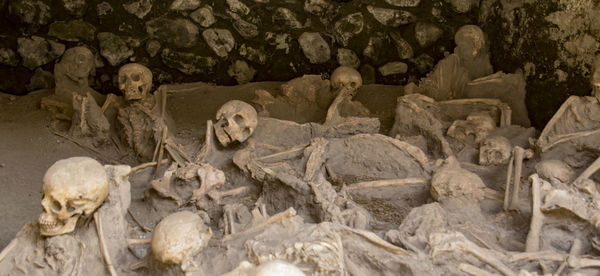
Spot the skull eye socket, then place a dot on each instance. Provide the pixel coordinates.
(70, 208)
(135, 77)
(56, 206)
(239, 120)
(353, 84)
(497, 155)
(122, 79)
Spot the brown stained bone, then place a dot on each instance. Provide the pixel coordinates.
(518, 153)
(111, 98)
(537, 217)
(161, 149)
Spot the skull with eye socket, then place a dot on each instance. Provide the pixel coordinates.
(73, 187)
(236, 121)
(135, 81)
(346, 78)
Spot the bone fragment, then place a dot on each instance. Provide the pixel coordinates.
(473, 270)
(537, 218)
(161, 150)
(576, 249)
(290, 212)
(587, 173)
(109, 265)
(138, 241)
(99, 154)
(387, 182)
(218, 195)
(316, 158)
(576, 262)
(373, 238)
(109, 100)
(146, 229)
(146, 165)
(547, 255)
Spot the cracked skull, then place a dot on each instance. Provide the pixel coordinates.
(178, 238)
(474, 129)
(494, 150)
(73, 187)
(135, 80)
(236, 121)
(346, 77)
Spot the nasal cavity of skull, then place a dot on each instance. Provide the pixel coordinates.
(497, 155)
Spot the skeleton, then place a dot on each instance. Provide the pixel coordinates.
(73, 188)
(143, 120)
(178, 238)
(74, 100)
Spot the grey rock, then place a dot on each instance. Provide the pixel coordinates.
(114, 48)
(285, 17)
(37, 51)
(348, 27)
(427, 33)
(463, 6)
(393, 68)
(255, 55)
(152, 47)
(32, 12)
(8, 57)
(104, 8)
(424, 63)
(75, 7)
(238, 7)
(178, 32)
(204, 16)
(188, 63)
(347, 57)
(367, 72)
(219, 40)
(182, 5)
(314, 47)
(41, 79)
(405, 51)
(403, 3)
(241, 72)
(391, 17)
(317, 7)
(73, 30)
(245, 28)
(139, 8)
(280, 41)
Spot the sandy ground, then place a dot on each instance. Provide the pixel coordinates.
(28, 147)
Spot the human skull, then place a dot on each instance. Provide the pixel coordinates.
(553, 170)
(178, 238)
(494, 150)
(475, 128)
(347, 78)
(236, 121)
(470, 40)
(135, 80)
(79, 62)
(73, 187)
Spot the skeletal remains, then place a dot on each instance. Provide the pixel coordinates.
(447, 192)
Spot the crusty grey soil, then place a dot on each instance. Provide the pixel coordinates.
(28, 147)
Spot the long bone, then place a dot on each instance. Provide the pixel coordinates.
(537, 217)
(511, 200)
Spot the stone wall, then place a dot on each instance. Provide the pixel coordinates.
(228, 41)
